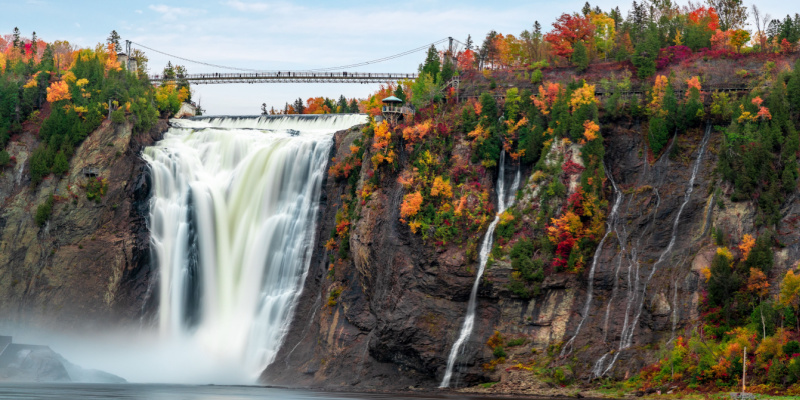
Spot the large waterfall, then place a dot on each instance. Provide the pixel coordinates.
(232, 220)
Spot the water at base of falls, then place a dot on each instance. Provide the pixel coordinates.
(486, 247)
(232, 219)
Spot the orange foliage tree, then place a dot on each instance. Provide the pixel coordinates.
(568, 30)
(58, 91)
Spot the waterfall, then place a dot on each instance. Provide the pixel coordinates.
(626, 336)
(486, 248)
(611, 223)
(232, 219)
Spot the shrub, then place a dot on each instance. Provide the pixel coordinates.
(499, 352)
(44, 210)
(5, 158)
(118, 116)
(96, 188)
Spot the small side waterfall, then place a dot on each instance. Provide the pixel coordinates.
(232, 220)
(611, 223)
(486, 247)
(628, 329)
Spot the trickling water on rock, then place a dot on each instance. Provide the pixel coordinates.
(232, 218)
(486, 247)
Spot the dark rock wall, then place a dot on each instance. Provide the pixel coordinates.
(403, 303)
(89, 264)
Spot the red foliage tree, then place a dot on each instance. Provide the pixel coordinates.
(567, 30)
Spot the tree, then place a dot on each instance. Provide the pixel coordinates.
(580, 58)
(790, 293)
(264, 109)
(16, 41)
(732, 14)
(341, 105)
(169, 72)
(113, 38)
(58, 91)
(432, 65)
(399, 93)
(299, 107)
(354, 107)
(723, 282)
(604, 33)
(568, 30)
(587, 8)
(644, 57)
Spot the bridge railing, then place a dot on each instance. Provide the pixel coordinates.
(290, 75)
(399, 110)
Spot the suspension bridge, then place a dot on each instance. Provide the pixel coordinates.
(339, 74)
(289, 77)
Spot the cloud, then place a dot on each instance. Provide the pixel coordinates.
(247, 7)
(78, 25)
(172, 13)
(138, 11)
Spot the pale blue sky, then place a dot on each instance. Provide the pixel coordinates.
(287, 34)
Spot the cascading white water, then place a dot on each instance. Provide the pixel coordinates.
(232, 217)
(486, 247)
(626, 336)
(612, 221)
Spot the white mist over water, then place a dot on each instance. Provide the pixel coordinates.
(232, 218)
(486, 247)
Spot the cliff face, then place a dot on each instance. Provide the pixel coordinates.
(89, 262)
(402, 302)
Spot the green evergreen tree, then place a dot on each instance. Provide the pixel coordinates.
(60, 164)
(580, 57)
(354, 107)
(432, 65)
(644, 57)
(341, 105)
(399, 93)
(299, 106)
(793, 89)
(113, 38)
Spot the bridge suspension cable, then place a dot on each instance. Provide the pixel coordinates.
(361, 64)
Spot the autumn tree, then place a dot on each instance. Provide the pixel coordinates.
(568, 30)
(605, 31)
(732, 14)
(790, 294)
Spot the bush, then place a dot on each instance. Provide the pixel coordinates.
(118, 116)
(659, 134)
(96, 188)
(5, 158)
(499, 352)
(44, 210)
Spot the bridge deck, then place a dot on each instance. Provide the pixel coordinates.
(291, 76)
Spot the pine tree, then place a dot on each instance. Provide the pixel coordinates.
(587, 8)
(469, 43)
(16, 38)
(793, 89)
(432, 65)
(341, 105)
(354, 107)
(113, 38)
(399, 93)
(299, 106)
(644, 57)
(60, 164)
(580, 58)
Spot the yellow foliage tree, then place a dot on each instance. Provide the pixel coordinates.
(582, 96)
(441, 188)
(58, 91)
(411, 205)
(748, 241)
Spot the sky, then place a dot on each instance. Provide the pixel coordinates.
(288, 35)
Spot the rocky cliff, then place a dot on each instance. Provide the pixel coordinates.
(388, 315)
(88, 263)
